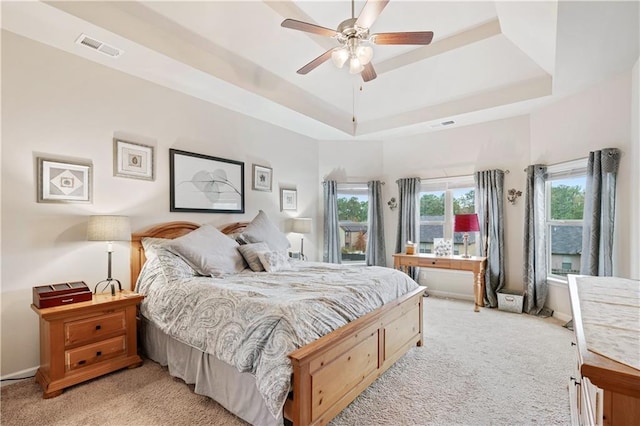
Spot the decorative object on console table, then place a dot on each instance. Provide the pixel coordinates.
(262, 178)
(204, 184)
(466, 223)
(64, 181)
(47, 296)
(133, 160)
(288, 199)
(109, 229)
(84, 340)
(301, 225)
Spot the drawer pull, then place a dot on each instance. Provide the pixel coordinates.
(98, 327)
(433, 263)
(81, 362)
(98, 353)
(67, 300)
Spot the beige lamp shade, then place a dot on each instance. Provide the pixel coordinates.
(109, 228)
(301, 225)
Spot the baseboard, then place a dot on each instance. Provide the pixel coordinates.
(448, 295)
(562, 316)
(22, 374)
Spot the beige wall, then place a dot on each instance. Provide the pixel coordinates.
(56, 104)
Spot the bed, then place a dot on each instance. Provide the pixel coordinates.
(325, 375)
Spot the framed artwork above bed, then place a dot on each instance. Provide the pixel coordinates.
(205, 184)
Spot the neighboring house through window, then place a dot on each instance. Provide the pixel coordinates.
(440, 200)
(565, 190)
(353, 210)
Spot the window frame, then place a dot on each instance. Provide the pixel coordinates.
(357, 189)
(569, 169)
(447, 185)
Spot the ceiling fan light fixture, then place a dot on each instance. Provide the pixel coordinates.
(364, 54)
(339, 57)
(355, 67)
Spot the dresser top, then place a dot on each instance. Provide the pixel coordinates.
(610, 309)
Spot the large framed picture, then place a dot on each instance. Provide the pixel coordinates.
(262, 177)
(64, 181)
(288, 199)
(205, 184)
(132, 160)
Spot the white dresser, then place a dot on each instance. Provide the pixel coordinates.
(605, 389)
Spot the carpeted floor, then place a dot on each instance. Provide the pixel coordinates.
(487, 368)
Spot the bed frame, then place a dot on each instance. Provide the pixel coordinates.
(329, 373)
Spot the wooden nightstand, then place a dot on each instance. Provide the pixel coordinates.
(85, 340)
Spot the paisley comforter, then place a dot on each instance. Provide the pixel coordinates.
(252, 320)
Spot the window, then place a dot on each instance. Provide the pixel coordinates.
(440, 200)
(353, 211)
(565, 190)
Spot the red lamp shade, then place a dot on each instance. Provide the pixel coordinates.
(466, 223)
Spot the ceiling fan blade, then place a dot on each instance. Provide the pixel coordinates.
(368, 73)
(370, 12)
(310, 28)
(417, 37)
(316, 62)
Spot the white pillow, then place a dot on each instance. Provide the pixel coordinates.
(262, 230)
(274, 261)
(250, 253)
(208, 251)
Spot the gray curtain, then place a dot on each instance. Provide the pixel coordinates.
(331, 249)
(408, 216)
(376, 254)
(599, 213)
(535, 246)
(489, 206)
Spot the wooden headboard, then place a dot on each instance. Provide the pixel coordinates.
(169, 230)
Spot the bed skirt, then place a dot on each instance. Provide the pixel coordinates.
(235, 391)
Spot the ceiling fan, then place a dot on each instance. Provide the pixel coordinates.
(353, 36)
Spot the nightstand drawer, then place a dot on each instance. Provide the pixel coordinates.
(94, 328)
(95, 352)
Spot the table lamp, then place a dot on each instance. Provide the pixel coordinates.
(301, 225)
(466, 223)
(109, 229)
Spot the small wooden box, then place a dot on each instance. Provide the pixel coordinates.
(46, 296)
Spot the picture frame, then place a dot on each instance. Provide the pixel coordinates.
(288, 199)
(133, 160)
(442, 247)
(204, 184)
(62, 181)
(262, 178)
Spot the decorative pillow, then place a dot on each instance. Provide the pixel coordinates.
(250, 253)
(262, 230)
(274, 261)
(208, 251)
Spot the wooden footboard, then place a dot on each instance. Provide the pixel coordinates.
(331, 372)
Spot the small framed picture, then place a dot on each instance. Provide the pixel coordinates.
(288, 199)
(64, 181)
(262, 177)
(133, 160)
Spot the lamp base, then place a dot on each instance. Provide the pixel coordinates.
(109, 282)
(465, 238)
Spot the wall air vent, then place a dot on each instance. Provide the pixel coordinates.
(101, 47)
(442, 124)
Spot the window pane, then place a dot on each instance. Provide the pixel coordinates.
(464, 201)
(427, 233)
(567, 198)
(432, 206)
(566, 246)
(352, 218)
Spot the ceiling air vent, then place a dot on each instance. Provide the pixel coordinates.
(99, 46)
(442, 124)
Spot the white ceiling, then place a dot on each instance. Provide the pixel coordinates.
(488, 60)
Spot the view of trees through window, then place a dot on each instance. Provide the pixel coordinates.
(564, 224)
(353, 213)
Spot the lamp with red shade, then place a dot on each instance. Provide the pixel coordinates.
(466, 223)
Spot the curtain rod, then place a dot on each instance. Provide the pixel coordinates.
(561, 163)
